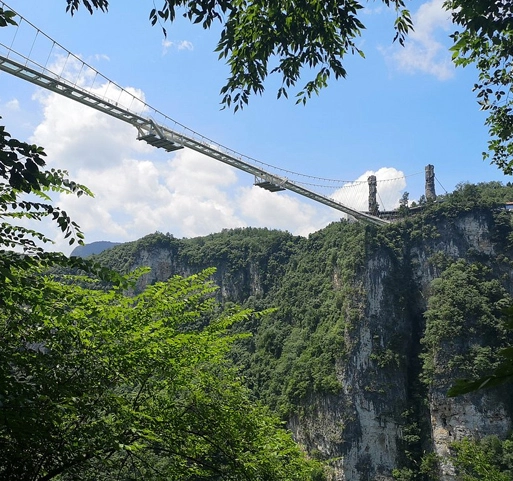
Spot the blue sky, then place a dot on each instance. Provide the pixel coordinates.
(398, 110)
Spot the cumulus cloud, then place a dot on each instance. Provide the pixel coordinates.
(78, 136)
(81, 136)
(139, 196)
(139, 189)
(426, 48)
(283, 211)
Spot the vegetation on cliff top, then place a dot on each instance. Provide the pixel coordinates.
(314, 284)
(293, 350)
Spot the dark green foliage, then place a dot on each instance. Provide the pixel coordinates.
(242, 255)
(6, 17)
(485, 197)
(496, 375)
(100, 385)
(298, 353)
(262, 250)
(293, 351)
(483, 194)
(73, 5)
(311, 282)
(122, 258)
(427, 470)
(22, 172)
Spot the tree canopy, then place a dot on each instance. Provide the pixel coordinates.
(99, 385)
(487, 460)
(501, 374)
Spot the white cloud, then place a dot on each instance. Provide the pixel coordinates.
(166, 45)
(82, 135)
(282, 210)
(137, 189)
(375, 10)
(178, 45)
(185, 45)
(13, 105)
(77, 136)
(101, 56)
(426, 48)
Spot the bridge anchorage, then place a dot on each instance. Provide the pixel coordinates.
(29, 56)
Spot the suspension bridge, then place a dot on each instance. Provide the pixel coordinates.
(29, 54)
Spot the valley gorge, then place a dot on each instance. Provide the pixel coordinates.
(370, 327)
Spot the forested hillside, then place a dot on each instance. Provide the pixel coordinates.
(369, 329)
(98, 382)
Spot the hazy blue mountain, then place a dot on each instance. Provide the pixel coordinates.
(93, 248)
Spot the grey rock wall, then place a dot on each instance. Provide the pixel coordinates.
(362, 429)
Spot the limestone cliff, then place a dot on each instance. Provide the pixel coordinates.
(380, 411)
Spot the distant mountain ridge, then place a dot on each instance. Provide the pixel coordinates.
(93, 248)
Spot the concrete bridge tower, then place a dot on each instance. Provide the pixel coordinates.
(373, 190)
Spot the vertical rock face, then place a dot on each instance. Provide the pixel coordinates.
(366, 424)
(365, 418)
(381, 409)
(475, 415)
(235, 286)
(472, 416)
